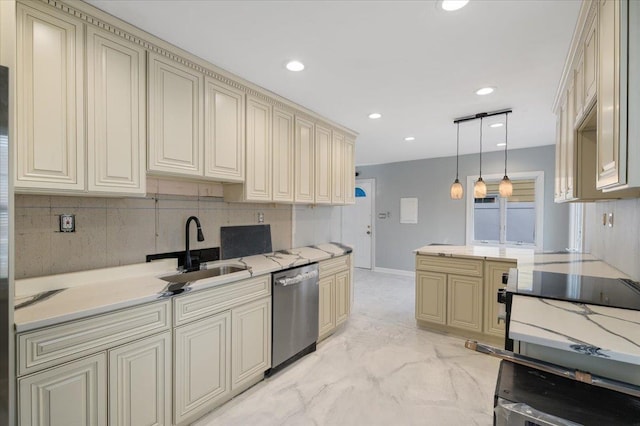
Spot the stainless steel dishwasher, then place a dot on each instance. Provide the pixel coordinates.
(295, 296)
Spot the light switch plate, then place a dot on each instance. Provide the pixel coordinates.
(67, 223)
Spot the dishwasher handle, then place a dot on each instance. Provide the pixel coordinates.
(297, 279)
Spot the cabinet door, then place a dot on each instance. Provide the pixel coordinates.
(223, 132)
(590, 66)
(283, 157)
(251, 340)
(464, 302)
(343, 294)
(569, 148)
(50, 101)
(492, 282)
(608, 132)
(73, 394)
(431, 297)
(578, 92)
(323, 165)
(337, 168)
(140, 382)
(175, 117)
(202, 374)
(349, 172)
(116, 118)
(258, 182)
(561, 149)
(327, 306)
(304, 177)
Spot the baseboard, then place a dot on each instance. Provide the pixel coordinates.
(395, 271)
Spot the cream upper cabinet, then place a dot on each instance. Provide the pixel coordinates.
(283, 156)
(175, 114)
(337, 168)
(349, 172)
(251, 342)
(259, 141)
(140, 382)
(71, 394)
(202, 366)
(590, 66)
(50, 152)
(608, 93)
(568, 159)
(304, 163)
(578, 92)
(322, 165)
(223, 132)
(561, 149)
(116, 117)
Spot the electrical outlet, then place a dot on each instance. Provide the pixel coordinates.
(260, 217)
(67, 223)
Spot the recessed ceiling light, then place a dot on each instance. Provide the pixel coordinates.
(295, 66)
(485, 91)
(451, 5)
(501, 144)
(496, 125)
(375, 115)
(410, 138)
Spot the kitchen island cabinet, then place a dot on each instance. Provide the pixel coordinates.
(457, 292)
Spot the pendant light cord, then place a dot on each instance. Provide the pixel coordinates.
(481, 147)
(457, 148)
(506, 140)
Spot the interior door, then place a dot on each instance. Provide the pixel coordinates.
(364, 223)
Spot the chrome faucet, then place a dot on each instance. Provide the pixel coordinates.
(187, 254)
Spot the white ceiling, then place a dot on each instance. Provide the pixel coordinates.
(416, 64)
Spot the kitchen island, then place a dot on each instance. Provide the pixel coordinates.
(456, 286)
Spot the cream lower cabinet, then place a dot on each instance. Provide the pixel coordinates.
(140, 382)
(459, 294)
(431, 297)
(251, 342)
(464, 302)
(335, 294)
(493, 271)
(73, 394)
(202, 360)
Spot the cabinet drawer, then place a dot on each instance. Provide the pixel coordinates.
(449, 265)
(331, 266)
(201, 304)
(46, 347)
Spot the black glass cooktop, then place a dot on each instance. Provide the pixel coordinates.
(614, 292)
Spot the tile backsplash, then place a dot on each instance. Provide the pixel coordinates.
(122, 231)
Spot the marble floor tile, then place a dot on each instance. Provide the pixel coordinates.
(379, 369)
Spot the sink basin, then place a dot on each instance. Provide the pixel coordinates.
(188, 277)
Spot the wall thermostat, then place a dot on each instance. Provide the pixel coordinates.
(67, 223)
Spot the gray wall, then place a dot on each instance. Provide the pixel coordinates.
(441, 219)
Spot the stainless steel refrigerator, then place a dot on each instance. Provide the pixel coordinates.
(6, 304)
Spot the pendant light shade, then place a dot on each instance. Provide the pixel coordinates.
(506, 187)
(457, 191)
(480, 188)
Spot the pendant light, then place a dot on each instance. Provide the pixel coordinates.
(506, 187)
(480, 188)
(457, 191)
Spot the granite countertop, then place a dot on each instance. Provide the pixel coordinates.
(46, 301)
(529, 260)
(599, 331)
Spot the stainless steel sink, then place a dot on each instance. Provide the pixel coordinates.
(188, 277)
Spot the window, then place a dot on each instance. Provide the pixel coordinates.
(513, 221)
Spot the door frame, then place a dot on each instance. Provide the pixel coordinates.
(372, 181)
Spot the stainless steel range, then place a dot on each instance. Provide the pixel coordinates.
(295, 295)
